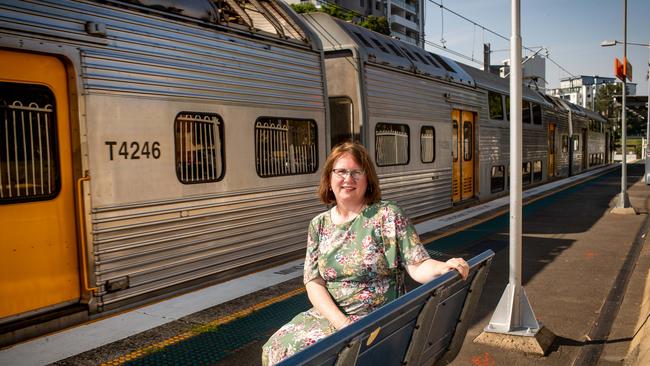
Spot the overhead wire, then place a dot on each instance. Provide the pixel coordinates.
(485, 29)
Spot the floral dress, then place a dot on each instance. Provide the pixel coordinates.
(361, 262)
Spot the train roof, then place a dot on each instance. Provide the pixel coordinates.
(489, 81)
(269, 18)
(579, 110)
(339, 35)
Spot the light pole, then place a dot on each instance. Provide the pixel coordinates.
(647, 139)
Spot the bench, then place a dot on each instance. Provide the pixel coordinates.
(426, 326)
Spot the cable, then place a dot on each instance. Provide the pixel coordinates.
(442, 7)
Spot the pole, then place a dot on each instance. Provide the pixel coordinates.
(514, 314)
(647, 128)
(624, 202)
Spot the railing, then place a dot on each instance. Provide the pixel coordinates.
(28, 151)
(392, 147)
(199, 148)
(402, 4)
(276, 155)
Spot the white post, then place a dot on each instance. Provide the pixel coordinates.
(514, 314)
(624, 202)
(647, 132)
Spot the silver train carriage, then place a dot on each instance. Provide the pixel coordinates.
(148, 148)
(414, 110)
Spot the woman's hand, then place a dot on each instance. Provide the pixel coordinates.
(459, 265)
(429, 269)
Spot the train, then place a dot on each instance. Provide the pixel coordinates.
(151, 147)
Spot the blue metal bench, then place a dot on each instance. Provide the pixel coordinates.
(426, 326)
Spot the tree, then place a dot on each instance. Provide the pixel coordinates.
(377, 24)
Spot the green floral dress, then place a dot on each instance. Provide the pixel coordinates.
(361, 262)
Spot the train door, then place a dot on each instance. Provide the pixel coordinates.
(38, 250)
(551, 150)
(585, 149)
(462, 155)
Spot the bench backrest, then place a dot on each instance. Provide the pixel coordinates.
(426, 326)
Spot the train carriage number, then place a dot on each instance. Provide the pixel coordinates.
(133, 150)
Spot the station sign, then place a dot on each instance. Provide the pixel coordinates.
(622, 70)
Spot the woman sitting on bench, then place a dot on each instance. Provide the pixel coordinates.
(356, 254)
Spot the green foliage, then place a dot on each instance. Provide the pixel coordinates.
(607, 106)
(377, 24)
(304, 8)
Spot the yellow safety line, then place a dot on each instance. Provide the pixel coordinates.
(201, 329)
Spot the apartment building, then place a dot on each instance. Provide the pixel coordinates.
(405, 17)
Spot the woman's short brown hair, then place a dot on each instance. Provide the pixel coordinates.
(361, 157)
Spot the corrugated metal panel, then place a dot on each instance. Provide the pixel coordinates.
(161, 246)
(403, 96)
(154, 56)
(417, 192)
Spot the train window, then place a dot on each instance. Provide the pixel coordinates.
(468, 141)
(421, 58)
(525, 111)
(526, 173)
(199, 147)
(496, 105)
(29, 157)
(285, 146)
(342, 125)
(576, 142)
(379, 44)
(565, 144)
(498, 178)
(537, 114)
(431, 60)
(395, 50)
(391, 144)
(537, 171)
(442, 62)
(363, 39)
(427, 144)
(408, 54)
(507, 108)
(454, 141)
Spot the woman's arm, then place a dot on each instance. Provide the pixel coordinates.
(323, 302)
(429, 269)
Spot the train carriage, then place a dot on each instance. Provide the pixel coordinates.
(415, 111)
(494, 136)
(147, 149)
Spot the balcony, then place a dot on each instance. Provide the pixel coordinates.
(402, 4)
(404, 22)
(403, 37)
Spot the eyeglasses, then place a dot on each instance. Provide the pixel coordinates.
(354, 173)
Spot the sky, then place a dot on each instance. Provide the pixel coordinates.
(571, 30)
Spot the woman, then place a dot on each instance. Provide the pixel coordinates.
(356, 253)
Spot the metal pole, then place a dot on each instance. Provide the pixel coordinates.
(624, 202)
(513, 314)
(647, 132)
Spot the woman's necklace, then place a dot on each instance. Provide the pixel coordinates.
(351, 214)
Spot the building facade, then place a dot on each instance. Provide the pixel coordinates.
(582, 89)
(405, 17)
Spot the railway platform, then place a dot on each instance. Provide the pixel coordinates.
(585, 271)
